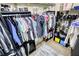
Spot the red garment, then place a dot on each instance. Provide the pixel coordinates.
(33, 17)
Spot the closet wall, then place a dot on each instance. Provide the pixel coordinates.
(39, 8)
(36, 8)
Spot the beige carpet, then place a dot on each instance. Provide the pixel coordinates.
(45, 50)
(66, 51)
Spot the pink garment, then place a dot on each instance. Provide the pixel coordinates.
(46, 18)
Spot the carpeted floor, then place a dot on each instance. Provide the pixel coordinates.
(45, 50)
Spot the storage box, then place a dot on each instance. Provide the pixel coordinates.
(57, 39)
(62, 42)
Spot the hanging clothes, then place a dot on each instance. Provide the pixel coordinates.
(40, 23)
(30, 18)
(34, 26)
(34, 23)
(22, 27)
(18, 26)
(13, 31)
(52, 21)
(1, 52)
(30, 32)
(15, 36)
(26, 31)
(45, 25)
(72, 33)
(5, 40)
(3, 44)
(31, 44)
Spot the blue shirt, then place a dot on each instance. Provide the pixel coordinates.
(14, 32)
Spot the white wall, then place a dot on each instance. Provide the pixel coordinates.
(75, 4)
(37, 8)
(67, 6)
(33, 9)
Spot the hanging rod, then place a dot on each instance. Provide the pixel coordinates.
(14, 13)
(50, 11)
(26, 15)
